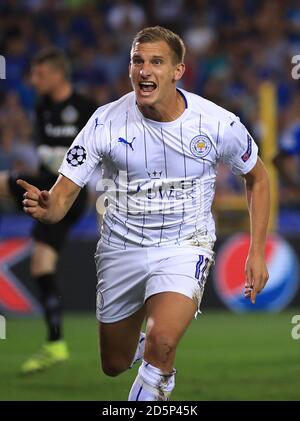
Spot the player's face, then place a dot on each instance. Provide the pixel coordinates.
(45, 78)
(153, 73)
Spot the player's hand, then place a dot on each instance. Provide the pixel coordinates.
(36, 202)
(256, 275)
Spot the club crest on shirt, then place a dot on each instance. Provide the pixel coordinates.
(200, 146)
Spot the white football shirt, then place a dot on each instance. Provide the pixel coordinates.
(159, 176)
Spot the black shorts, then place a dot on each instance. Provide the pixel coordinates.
(53, 235)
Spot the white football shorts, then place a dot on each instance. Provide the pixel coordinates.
(127, 278)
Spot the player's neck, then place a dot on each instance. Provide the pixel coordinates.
(169, 111)
(62, 92)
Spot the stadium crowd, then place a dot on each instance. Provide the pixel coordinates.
(232, 46)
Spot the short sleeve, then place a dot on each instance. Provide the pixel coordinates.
(237, 148)
(85, 153)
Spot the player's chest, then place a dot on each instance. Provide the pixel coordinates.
(170, 152)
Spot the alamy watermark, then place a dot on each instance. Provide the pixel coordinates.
(295, 332)
(2, 67)
(152, 196)
(296, 68)
(2, 327)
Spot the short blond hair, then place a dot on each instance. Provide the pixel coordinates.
(158, 33)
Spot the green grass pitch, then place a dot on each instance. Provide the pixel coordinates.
(222, 356)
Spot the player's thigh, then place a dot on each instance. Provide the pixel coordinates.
(120, 339)
(168, 316)
(43, 259)
(122, 277)
(174, 292)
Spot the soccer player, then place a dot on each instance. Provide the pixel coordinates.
(160, 147)
(60, 115)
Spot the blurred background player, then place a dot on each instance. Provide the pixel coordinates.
(59, 116)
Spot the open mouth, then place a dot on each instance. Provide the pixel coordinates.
(147, 86)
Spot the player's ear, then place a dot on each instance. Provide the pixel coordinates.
(179, 71)
(129, 69)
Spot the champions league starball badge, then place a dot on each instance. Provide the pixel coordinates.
(200, 146)
(76, 156)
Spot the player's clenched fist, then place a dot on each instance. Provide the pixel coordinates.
(36, 202)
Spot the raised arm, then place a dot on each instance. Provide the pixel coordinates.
(258, 197)
(51, 206)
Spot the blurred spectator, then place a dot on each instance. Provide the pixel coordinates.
(16, 58)
(126, 12)
(199, 37)
(17, 151)
(168, 13)
(125, 18)
(111, 60)
(287, 160)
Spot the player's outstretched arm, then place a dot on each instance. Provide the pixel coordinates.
(51, 206)
(258, 196)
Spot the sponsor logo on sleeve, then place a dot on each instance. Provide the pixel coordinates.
(248, 152)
